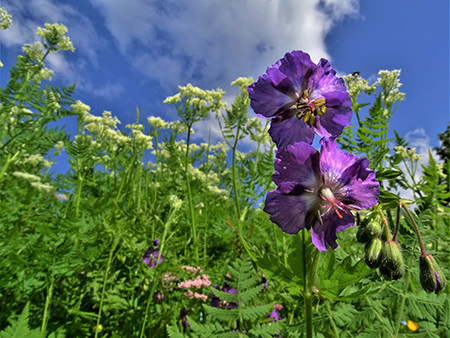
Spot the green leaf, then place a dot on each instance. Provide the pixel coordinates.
(335, 278)
(388, 199)
(387, 174)
(271, 266)
(20, 328)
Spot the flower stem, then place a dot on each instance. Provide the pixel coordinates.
(308, 314)
(48, 300)
(149, 301)
(422, 248)
(191, 205)
(104, 285)
(308, 285)
(236, 195)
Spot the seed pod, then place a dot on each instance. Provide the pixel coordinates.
(392, 264)
(431, 276)
(374, 229)
(361, 235)
(372, 251)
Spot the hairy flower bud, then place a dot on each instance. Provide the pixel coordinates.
(372, 255)
(373, 229)
(361, 234)
(392, 264)
(431, 276)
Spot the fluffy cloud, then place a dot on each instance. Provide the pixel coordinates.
(212, 42)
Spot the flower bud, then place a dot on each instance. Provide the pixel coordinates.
(374, 229)
(431, 276)
(372, 255)
(361, 235)
(392, 264)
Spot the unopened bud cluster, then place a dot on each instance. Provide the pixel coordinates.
(386, 254)
(379, 252)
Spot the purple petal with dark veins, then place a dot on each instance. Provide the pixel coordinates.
(289, 131)
(325, 235)
(297, 165)
(290, 212)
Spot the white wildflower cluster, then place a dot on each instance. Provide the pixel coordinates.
(44, 74)
(180, 127)
(59, 145)
(440, 170)
(5, 19)
(81, 109)
(175, 202)
(154, 185)
(54, 31)
(215, 150)
(243, 83)
(196, 97)
(36, 160)
(407, 153)
(35, 181)
(221, 193)
(42, 186)
(389, 81)
(140, 140)
(158, 123)
(240, 156)
(196, 174)
(355, 84)
(5, 22)
(33, 51)
(27, 176)
(181, 147)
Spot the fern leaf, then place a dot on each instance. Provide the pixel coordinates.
(20, 328)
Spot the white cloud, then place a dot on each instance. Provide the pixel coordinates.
(212, 42)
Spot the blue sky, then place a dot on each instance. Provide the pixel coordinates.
(136, 52)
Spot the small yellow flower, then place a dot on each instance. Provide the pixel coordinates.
(99, 327)
(412, 326)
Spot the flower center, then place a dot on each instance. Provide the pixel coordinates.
(332, 201)
(308, 110)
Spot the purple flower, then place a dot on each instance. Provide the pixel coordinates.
(151, 255)
(275, 315)
(184, 321)
(264, 281)
(317, 191)
(217, 302)
(302, 99)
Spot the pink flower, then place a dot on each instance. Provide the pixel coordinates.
(278, 307)
(202, 297)
(188, 294)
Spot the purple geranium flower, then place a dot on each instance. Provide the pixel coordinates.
(302, 99)
(318, 191)
(151, 255)
(217, 302)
